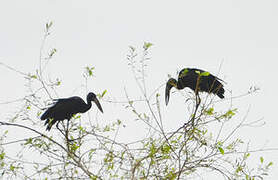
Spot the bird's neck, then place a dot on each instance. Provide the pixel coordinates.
(88, 105)
(179, 85)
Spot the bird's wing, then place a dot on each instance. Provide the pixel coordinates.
(72, 104)
(195, 70)
(201, 71)
(212, 76)
(183, 72)
(220, 80)
(64, 106)
(191, 72)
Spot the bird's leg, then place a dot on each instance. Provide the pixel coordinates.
(67, 133)
(198, 102)
(57, 126)
(198, 99)
(67, 130)
(68, 125)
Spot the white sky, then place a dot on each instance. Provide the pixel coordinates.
(241, 33)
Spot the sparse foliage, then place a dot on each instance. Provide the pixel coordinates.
(89, 151)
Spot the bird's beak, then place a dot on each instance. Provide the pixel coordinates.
(98, 104)
(167, 92)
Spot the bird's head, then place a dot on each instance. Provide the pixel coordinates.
(170, 83)
(92, 97)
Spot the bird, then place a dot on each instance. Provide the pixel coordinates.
(188, 77)
(65, 108)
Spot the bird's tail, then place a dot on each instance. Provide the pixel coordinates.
(44, 116)
(48, 127)
(49, 123)
(220, 93)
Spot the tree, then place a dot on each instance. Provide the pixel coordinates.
(87, 150)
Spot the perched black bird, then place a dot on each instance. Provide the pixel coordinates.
(189, 77)
(66, 108)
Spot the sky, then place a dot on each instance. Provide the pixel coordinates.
(237, 40)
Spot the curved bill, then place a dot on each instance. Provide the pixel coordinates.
(98, 104)
(167, 93)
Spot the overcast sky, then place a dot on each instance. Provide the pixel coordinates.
(240, 34)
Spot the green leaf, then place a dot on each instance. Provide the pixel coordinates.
(152, 150)
(48, 25)
(229, 114)
(39, 113)
(107, 128)
(269, 164)
(52, 52)
(81, 129)
(103, 93)
(152, 161)
(50, 121)
(221, 150)
(76, 116)
(209, 111)
(28, 141)
(12, 167)
(74, 147)
(261, 159)
(205, 74)
(2, 155)
(89, 70)
(165, 149)
(246, 155)
(171, 175)
(184, 72)
(147, 45)
(109, 157)
(247, 177)
(2, 165)
(198, 72)
(130, 102)
(239, 169)
(33, 76)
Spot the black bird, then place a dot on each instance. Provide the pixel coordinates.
(189, 77)
(66, 108)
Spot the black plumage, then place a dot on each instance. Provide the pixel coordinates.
(66, 108)
(189, 77)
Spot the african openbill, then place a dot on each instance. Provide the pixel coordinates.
(188, 77)
(66, 108)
